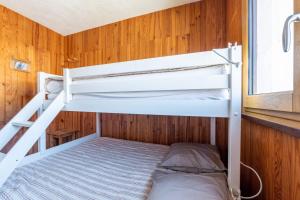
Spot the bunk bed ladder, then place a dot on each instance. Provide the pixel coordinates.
(11, 160)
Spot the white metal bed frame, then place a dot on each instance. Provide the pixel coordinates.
(83, 80)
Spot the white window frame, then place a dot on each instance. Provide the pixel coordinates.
(280, 103)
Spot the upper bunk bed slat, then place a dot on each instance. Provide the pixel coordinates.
(168, 62)
(204, 108)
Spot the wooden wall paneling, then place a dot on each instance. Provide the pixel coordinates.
(234, 21)
(275, 155)
(245, 157)
(222, 138)
(295, 184)
(2, 72)
(156, 129)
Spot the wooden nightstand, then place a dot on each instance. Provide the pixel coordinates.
(61, 136)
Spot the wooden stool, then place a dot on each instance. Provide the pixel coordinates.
(62, 136)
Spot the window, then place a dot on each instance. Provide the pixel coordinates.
(270, 68)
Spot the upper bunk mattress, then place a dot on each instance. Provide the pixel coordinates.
(53, 87)
(103, 168)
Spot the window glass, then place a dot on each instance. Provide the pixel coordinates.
(272, 68)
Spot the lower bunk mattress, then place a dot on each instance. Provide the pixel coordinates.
(103, 168)
(100, 169)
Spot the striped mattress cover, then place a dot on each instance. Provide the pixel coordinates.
(103, 168)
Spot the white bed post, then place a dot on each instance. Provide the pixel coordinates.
(41, 88)
(213, 131)
(234, 127)
(98, 125)
(67, 84)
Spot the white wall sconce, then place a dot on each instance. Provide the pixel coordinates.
(20, 65)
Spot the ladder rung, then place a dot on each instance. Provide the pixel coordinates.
(23, 124)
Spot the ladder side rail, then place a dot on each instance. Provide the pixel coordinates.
(10, 130)
(20, 149)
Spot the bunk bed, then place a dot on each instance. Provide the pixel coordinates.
(204, 84)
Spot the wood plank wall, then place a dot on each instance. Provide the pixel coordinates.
(24, 39)
(276, 157)
(189, 28)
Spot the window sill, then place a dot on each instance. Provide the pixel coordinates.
(288, 123)
(279, 101)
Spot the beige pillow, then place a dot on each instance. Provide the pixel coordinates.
(186, 186)
(193, 158)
